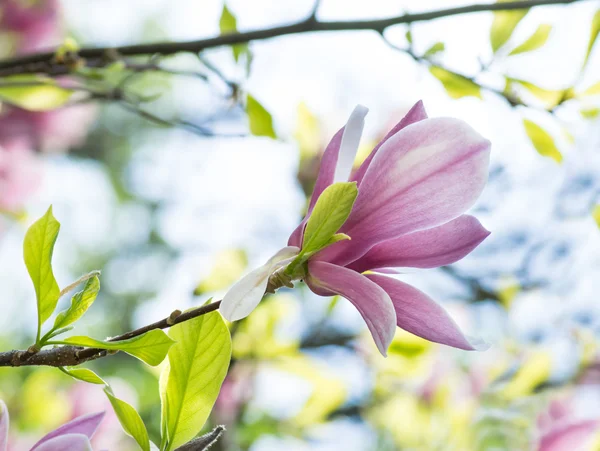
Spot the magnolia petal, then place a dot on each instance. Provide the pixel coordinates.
(85, 425)
(243, 297)
(336, 164)
(431, 248)
(371, 301)
(350, 142)
(67, 442)
(425, 175)
(418, 314)
(415, 114)
(4, 422)
(570, 437)
(327, 168)
(297, 235)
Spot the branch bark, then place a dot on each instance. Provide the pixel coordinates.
(75, 355)
(101, 56)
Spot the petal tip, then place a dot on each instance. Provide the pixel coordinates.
(477, 344)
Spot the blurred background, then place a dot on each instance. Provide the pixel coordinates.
(173, 196)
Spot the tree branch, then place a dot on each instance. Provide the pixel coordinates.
(75, 355)
(101, 56)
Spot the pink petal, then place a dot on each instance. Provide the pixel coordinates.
(431, 248)
(425, 175)
(327, 168)
(4, 422)
(415, 114)
(324, 179)
(68, 442)
(570, 437)
(418, 314)
(84, 425)
(372, 302)
(336, 164)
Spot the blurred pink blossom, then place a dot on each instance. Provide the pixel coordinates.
(20, 174)
(35, 24)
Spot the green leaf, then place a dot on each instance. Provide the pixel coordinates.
(542, 141)
(592, 90)
(331, 211)
(80, 302)
(151, 347)
(590, 113)
(228, 25)
(503, 25)
(535, 41)
(83, 374)
(435, 48)
(596, 214)
(549, 97)
(37, 253)
(130, 420)
(261, 122)
(54, 332)
(595, 30)
(456, 85)
(190, 383)
(33, 93)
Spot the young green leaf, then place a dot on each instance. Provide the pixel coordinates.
(83, 374)
(535, 41)
(130, 420)
(80, 302)
(434, 49)
(592, 90)
(456, 85)
(549, 97)
(227, 25)
(55, 332)
(594, 31)
(33, 93)
(260, 120)
(590, 113)
(190, 383)
(596, 214)
(542, 141)
(151, 347)
(37, 253)
(503, 26)
(331, 211)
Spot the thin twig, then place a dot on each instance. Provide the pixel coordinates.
(102, 56)
(76, 355)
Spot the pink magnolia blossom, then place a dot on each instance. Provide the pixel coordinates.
(413, 190)
(577, 436)
(48, 131)
(35, 24)
(19, 174)
(72, 436)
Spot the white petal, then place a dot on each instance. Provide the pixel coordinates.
(246, 293)
(350, 141)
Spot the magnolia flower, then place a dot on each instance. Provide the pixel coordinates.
(19, 174)
(578, 436)
(35, 23)
(72, 436)
(412, 192)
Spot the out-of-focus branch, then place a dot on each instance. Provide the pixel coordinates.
(75, 355)
(47, 63)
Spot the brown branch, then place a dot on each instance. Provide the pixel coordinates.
(101, 56)
(75, 355)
